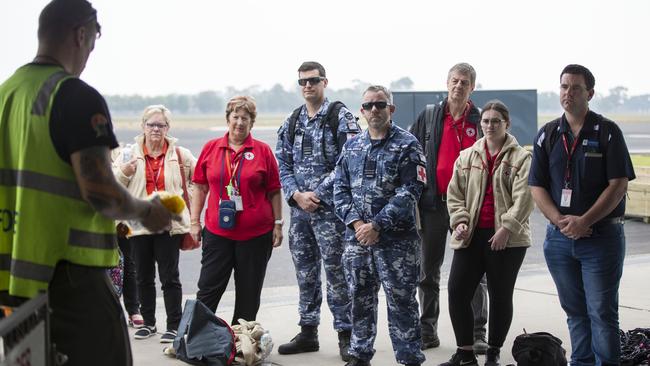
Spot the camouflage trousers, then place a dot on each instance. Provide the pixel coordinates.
(314, 238)
(394, 265)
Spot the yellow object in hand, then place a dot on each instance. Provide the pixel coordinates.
(173, 202)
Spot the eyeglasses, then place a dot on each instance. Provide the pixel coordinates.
(492, 121)
(379, 105)
(98, 27)
(312, 81)
(160, 126)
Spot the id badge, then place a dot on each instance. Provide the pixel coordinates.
(239, 206)
(566, 198)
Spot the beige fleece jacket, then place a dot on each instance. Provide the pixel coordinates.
(137, 183)
(513, 202)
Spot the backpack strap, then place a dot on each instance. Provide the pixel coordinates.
(551, 135)
(428, 121)
(182, 169)
(332, 121)
(293, 120)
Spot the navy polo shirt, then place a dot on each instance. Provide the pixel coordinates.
(592, 166)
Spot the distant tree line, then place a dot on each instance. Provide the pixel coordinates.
(278, 100)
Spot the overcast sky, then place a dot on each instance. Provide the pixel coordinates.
(155, 47)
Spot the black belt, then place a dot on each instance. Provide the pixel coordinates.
(610, 221)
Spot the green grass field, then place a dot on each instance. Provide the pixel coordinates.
(641, 160)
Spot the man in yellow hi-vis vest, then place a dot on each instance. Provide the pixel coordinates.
(58, 196)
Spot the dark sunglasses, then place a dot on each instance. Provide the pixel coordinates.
(311, 81)
(379, 105)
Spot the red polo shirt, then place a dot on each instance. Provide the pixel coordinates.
(259, 176)
(486, 215)
(456, 136)
(155, 169)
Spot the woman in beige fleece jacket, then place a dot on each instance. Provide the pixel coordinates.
(153, 164)
(489, 204)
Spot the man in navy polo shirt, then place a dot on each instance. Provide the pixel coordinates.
(578, 178)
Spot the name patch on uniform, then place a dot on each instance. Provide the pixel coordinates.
(422, 174)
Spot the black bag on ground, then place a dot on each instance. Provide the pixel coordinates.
(203, 338)
(538, 349)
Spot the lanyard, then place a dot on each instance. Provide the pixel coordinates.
(491, 161)
(230, 171)
(567, 171)
(459, 136)
(154, 175)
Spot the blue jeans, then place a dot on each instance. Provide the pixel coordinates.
(587, 273)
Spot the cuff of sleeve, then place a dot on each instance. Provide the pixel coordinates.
(457, 218)
(510, 223)
(352, 217)
(122, 177)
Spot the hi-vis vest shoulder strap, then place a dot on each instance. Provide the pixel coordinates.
(43, 218)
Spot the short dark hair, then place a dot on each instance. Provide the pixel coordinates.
(576, 69)
(498, 106)
(61, 16)
(312, 65)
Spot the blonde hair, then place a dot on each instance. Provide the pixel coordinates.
(242, 102)
(157, 108)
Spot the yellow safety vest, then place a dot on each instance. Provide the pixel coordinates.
(43, 218)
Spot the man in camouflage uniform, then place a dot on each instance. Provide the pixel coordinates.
(379, 179)
(307, 152)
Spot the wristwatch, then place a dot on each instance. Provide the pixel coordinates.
(279, 222)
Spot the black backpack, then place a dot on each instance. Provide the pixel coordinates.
(331, 119)
(538, 349)
(203, 338)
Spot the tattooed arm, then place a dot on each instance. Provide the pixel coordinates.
(98, 187)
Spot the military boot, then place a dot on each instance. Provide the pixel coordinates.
(305, 341)
(344, 345)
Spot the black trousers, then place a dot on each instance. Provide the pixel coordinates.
(467, 268)
(162, 249)
(248, 259)
(83, 300)
(129, 283)
(435, 227)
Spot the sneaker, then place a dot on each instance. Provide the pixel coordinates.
(480, 346)
(168, 336)
(136, 321)
(430, 341)
(145, 332)
(461, 358)
(344, 345)
(305, 341)
(357, 362)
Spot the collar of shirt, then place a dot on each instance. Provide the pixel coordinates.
(462, 118)
(223, 142)
(587, 127)
(304, 117)
(145, 151)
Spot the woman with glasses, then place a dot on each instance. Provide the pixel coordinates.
(154, 165)
(489, 205)
(243, 220)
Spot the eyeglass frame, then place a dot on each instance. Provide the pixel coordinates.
(367, 106)
(312, 81)
(98, 27)
(159, 126)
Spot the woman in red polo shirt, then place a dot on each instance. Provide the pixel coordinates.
(489, 203)
(241, 175)
(152, 164)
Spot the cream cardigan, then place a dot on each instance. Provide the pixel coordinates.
(136, 184)
(513, 202)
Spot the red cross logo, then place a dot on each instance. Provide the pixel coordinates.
(422, 174)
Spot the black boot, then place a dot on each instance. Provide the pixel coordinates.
(462, 357)
(357, 362)
(305, 341)
(492, 356)
(344, 345)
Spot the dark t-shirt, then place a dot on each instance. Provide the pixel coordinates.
(80, 119)
(592, 166)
